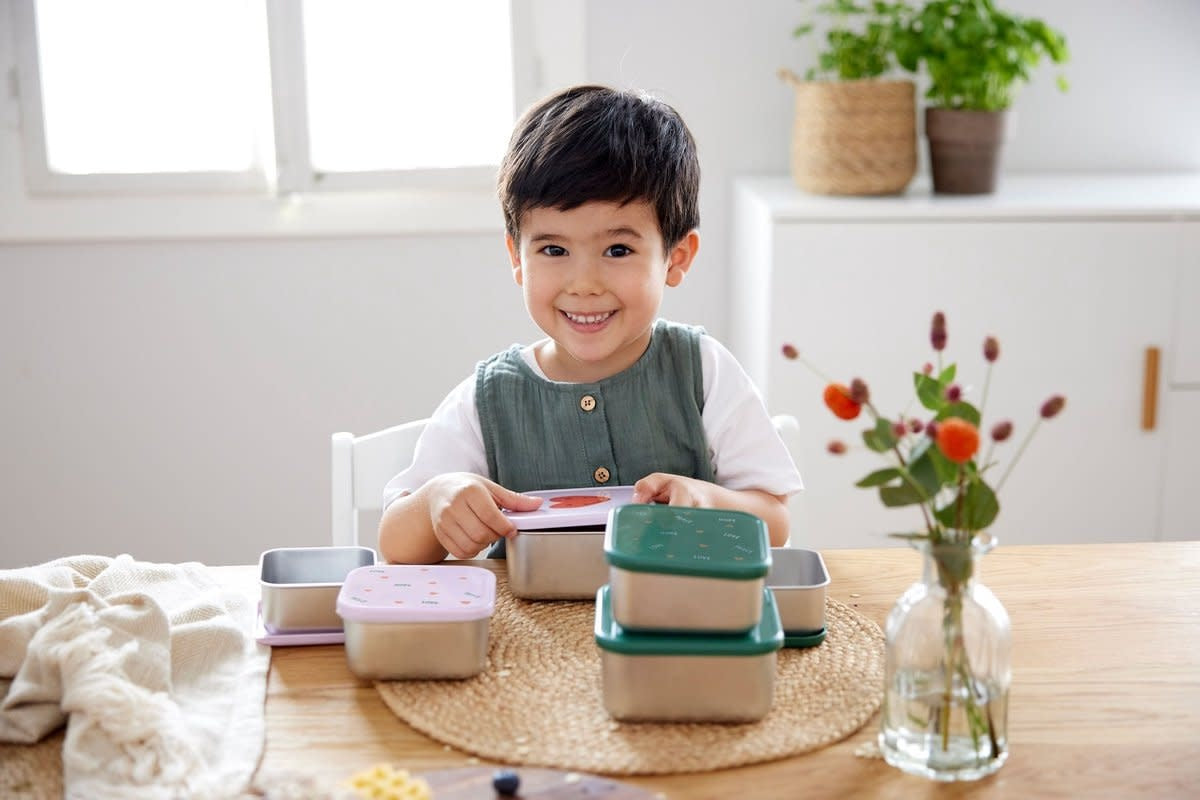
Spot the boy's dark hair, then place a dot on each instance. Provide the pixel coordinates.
(595, 143)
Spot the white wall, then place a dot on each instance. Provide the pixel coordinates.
(175, 399)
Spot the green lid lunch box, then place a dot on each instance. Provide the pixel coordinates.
(687, 678)
(686, 570)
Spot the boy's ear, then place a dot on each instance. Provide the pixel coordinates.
(679, 260)
(515, 257)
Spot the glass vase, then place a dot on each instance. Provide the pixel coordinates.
(949, 643)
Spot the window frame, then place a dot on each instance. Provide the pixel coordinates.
(43, 180)
(283, 196)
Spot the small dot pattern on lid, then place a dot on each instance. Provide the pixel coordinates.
(714, 542)
(400, 592)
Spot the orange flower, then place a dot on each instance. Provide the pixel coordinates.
(837, 398)
(957, 439)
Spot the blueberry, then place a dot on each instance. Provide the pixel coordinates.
(506, 782)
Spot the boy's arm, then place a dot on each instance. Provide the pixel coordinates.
(456, 513)
(406, 533)
(676, 490)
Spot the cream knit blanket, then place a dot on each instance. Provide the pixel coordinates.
(151, 666)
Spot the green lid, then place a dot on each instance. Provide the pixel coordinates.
(804, 639)
(702, 542)
(765, 637)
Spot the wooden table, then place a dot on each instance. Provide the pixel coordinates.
(1105, 697)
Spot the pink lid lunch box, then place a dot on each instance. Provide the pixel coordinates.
(407, 621)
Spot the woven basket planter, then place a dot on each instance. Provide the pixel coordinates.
(853, 137)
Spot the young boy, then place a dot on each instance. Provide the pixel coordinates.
(599, 190)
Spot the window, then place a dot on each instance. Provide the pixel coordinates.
(279, 96)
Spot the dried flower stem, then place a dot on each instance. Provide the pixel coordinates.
(987, 459)
(958, 505)
(799, 357)
(1020, 452)
(987, 382)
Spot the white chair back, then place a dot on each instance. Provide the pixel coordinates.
(362, 466)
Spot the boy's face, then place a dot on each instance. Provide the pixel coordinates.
(593, 279)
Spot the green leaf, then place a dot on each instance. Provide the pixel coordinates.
(947, 470)
(880, 438)
(979, 508)
(962, 410)
(803, 30)
(902, 495)
(924, 471)
(911, 537)
(929, 392)
(878, 477)
(947, 376)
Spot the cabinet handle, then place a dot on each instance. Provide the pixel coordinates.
(1150, 389)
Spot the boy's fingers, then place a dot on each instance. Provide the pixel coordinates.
(649, 487)
(455, 540)
(513, 501)
(492, 522)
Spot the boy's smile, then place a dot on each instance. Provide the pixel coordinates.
(593, 279)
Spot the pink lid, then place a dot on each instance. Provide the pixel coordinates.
(566, 508)
(409, 593)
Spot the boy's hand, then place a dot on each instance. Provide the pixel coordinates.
(464, 510)
(675, 490)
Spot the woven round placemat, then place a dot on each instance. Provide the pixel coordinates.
(538, 701)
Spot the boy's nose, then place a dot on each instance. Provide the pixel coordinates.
(586, 278)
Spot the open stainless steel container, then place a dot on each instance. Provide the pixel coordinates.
(556, 564)
(558, 552)
(405, 621)
(697, 570)
(667, 677)
(799, 581)
(300, 586)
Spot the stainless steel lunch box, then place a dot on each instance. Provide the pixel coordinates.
(556, 564)
(799, 581)
(407, 621)
(300, 586)
(667, 677)
(686, 569)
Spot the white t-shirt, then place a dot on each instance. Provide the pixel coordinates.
(743, 446)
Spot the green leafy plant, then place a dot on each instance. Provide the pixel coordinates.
(975, 54)
(859, 40)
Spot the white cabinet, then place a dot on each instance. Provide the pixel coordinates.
(1181, 509)
(1076, 277)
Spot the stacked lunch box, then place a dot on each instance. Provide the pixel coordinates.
(686, 626)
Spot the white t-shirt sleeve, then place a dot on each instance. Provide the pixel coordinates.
(744, 447)
(451, 442)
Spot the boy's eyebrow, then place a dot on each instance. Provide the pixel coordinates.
(621, 231)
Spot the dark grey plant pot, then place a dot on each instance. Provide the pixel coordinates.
(964, 148)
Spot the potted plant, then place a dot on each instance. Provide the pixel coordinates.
(975, 55)
(854, 131)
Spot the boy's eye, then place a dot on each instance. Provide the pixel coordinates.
(553, 250)
(618, 251)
